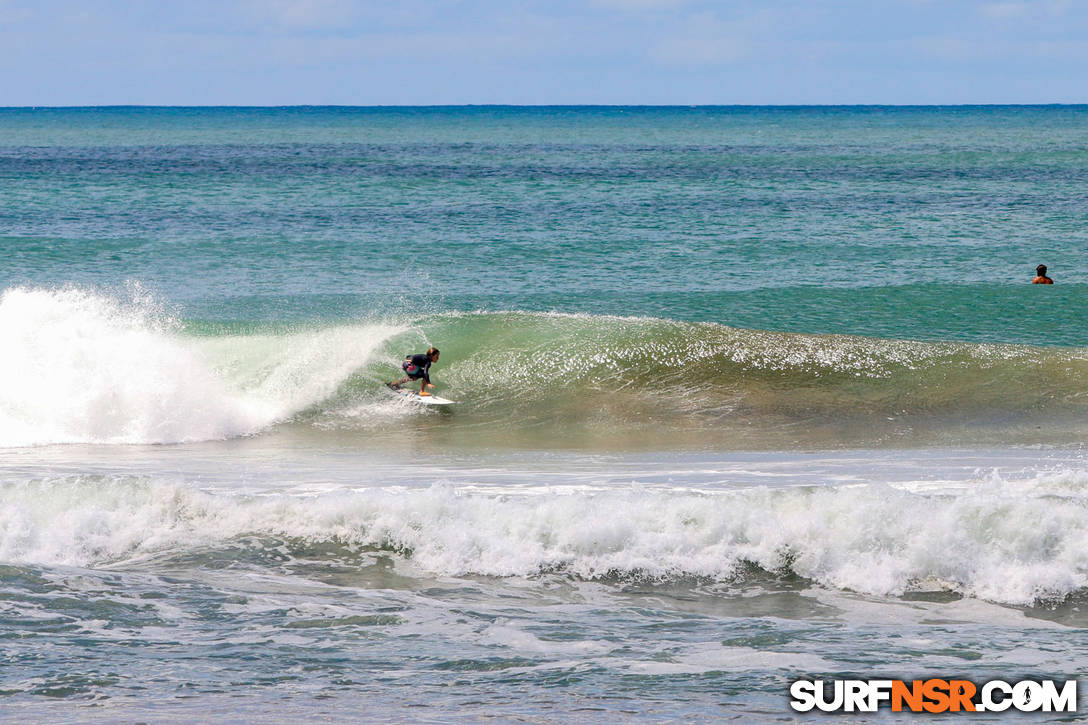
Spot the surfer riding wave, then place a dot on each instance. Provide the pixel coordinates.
(418, 367)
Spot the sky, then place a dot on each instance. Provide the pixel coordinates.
(530, 52)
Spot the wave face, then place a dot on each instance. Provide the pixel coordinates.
(1008, 541)
(84, 367)
(709, 384)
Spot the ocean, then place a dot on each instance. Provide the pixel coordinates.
(745, 395)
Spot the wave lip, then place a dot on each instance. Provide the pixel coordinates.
(84, 367)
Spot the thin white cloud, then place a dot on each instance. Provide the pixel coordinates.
(1017, 10)
(700, 48)
(1004, 11)
(705, 39)
(11, 13)
(640, 4)
(338, 15)
(309, 13)
(540, 50)
(954, 48)
(951, 49)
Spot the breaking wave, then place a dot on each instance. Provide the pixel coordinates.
(80, 366)
(1007, 541)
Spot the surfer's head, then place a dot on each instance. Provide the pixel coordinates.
(1041, 270)
(432, 353)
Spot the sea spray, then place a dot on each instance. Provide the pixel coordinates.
(81, 366)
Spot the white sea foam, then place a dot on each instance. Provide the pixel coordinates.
(83, 367)
(1004, 541)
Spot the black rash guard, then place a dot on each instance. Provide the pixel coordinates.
(421, 361)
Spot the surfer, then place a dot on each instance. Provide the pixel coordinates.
(418, 367)
(1040, 276)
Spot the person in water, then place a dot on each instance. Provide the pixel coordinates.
(1040, 276)
(418, 367)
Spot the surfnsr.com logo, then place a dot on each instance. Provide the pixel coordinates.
(934, 695)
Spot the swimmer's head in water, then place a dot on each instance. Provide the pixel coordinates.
(1041, 270)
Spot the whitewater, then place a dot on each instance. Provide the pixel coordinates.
(83, 367)
(1015, 541)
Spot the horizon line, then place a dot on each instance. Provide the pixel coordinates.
(543, 105)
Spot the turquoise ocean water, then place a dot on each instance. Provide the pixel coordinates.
(744, 395)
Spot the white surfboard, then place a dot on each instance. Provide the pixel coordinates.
(415, 397)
